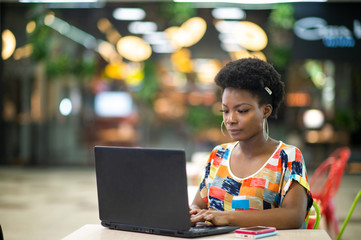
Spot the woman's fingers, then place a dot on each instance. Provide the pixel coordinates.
(194, 211)
(202, 216)
(208, 217)
(212, 217)
(197, 218)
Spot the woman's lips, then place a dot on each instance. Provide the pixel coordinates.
(234, 131)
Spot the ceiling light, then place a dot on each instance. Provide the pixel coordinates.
(156, 38)
(129, 14)
(230, 47)
(9, 44)
(57, 1)
(70, 31)
(142, 27)
(134, 48)
(249, 1)
(226, 26)
(163, 48)
(250, 36)
(189, 33)
(228, 13)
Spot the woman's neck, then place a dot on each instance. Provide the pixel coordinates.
(256, 146)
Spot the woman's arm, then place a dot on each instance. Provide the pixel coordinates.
(291, 215)
(197, 203)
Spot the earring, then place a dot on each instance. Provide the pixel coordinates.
(265, 129)
(222, 123)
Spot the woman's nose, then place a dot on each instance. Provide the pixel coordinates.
(231, 118)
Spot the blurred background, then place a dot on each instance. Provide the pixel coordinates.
(75, 74)
(140, 73)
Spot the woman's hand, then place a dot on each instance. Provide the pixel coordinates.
(217, 218)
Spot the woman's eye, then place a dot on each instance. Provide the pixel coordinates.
(224, 111)
(243, 111)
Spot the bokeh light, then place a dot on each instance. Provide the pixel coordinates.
(65, 107)
(313, 118)
(9, 44)
(134, 48)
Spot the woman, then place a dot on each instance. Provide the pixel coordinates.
(255, 172)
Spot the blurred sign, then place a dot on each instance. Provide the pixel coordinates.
(327, 30)
(113, 104)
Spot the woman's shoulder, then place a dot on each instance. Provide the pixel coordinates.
(224, 146)
(284, 145)
(291, 151)
(222, 150)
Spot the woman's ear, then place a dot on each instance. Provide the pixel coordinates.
(267, 110)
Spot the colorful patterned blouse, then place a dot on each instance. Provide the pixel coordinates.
(265, 189)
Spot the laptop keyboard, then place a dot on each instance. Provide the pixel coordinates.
(198, 229)
(201, 228)
(208, 229)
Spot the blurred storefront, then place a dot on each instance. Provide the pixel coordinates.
(324, 78)
(141, 74)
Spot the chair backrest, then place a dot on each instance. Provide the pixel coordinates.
(315, 222)
(326, 179)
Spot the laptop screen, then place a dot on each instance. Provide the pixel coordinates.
(142, 187)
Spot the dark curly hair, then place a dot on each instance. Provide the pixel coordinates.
(254, 75)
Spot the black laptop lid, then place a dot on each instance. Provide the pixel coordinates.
(142, 187)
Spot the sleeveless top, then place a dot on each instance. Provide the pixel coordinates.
(221, 190)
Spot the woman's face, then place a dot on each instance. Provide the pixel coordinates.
(242, 114)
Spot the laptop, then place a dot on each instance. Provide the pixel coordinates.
(145, 190)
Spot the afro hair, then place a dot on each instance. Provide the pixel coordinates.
(253, 75)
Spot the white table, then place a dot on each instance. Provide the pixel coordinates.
(98, 232)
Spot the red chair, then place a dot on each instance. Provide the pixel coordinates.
(324, 184)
